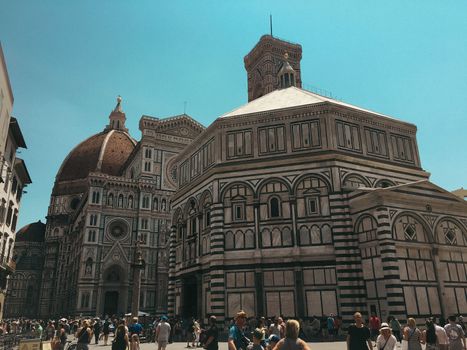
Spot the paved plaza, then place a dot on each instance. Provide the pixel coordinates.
(223, 346)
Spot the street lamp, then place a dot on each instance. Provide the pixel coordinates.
(137, 266)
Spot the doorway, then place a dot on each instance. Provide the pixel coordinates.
(190, 297)
(111, 303)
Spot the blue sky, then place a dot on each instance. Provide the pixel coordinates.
(68, 60)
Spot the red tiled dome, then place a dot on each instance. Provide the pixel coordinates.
(105, 152)
(34, 232)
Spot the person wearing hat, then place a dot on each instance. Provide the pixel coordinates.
(163, 333)
(385, 340)
(237, 339)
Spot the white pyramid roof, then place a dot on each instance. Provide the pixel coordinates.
(288, 98)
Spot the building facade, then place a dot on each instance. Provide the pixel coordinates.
(296, 204)
(110, 193)
(25, 283)
(14, 177)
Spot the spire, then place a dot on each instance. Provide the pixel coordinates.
(287, 74)
(117, 117)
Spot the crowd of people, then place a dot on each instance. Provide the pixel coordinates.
(245, 333)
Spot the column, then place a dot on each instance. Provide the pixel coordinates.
(350, 286)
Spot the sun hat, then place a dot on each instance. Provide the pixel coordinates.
(384, 326)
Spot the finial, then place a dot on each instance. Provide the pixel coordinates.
(118, 107)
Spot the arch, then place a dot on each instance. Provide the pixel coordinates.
(114, 274)
(88, 267)
(177, 216)
(450, 231)
(299, 180)
(155, 203)
(304, 234)
(229, 186)
(130, 201)
(110, 199)
(384, 183)
(239, 239)
(229, 240)
(250, 239)
(354, 180)
(164, 204)
(191, 206)
(326, 234)
(267, 181)
(315, 235)
(400, 229)
(205, 199)
(366, 228)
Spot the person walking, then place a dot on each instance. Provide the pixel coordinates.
(291, 340)
(106, 330)
(412, 335)
(121, 341)
(84, 335)
(162, 333)
(375, 325)
(212, 335)
(455, 334)
(237, 339)
(441, 336)
(358, 337)
(429, 336)
(97, 329)
(396, 327)
(385, 340)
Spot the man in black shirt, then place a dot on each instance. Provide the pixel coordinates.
(358, 337)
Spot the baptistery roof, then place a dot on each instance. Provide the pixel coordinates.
(34, 232)
(104, 152)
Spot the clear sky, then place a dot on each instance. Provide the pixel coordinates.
(68, 60)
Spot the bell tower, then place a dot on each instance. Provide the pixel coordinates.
(268, 61)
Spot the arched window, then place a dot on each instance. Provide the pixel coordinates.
(449, 232)
(366, 229)
(229, 240)
(88, 267)
(274, 207)
(409, 228)
(355, 181)
(155, 204)
(110, 200)
(96, 197)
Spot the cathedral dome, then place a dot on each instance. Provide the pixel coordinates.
(105, 152)
(34, 232)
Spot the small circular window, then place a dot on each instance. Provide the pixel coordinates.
(74, 203)
(117, 229)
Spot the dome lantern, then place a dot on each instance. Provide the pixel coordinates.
(287, 74)
(117, 117)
